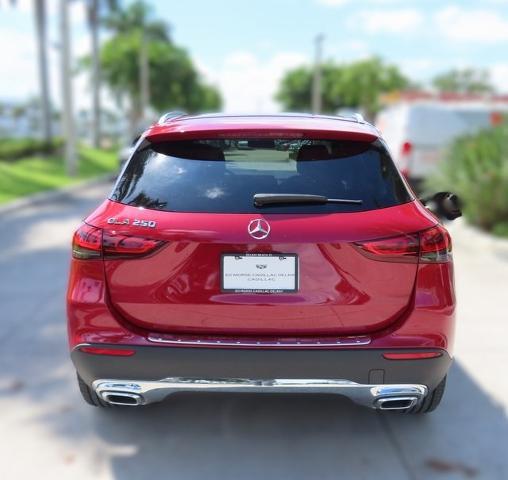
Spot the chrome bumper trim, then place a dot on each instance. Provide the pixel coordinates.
(301, 342)
(373, 396)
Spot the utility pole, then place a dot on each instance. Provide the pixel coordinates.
(316, 79)
(42, 57)
(66, 79)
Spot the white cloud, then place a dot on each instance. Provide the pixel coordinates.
(347, 51)
(77, 11)
(417, 67)
(249, 83)
(18, 60)
(477, 25)
(21, 80)
(395, 21)
(358, 47)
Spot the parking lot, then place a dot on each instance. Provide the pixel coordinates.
(49, 432)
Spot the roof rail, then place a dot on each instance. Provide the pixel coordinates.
(170, 115)
(359, 117)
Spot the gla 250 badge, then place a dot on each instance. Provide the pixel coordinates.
(135, 223)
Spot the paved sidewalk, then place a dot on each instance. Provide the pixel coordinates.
(48, 432)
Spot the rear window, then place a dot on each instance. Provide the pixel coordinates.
(222, 176)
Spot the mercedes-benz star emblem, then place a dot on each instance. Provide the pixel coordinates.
(258, 229)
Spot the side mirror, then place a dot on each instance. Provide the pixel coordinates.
(444, 205)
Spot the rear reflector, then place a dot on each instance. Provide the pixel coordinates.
(93, 243)
(108, 351)
(428, 246)
(411, 355)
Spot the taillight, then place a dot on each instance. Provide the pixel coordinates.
(402, 248)
(435, 245)
(115, 245)
(405, 151)
(428, 246)
(406, 148)
(92, 243)
(87, 242)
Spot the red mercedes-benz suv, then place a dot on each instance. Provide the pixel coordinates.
(263, 254)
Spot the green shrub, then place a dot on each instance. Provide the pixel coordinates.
(15, 148)
(476, 169)
(501, 229)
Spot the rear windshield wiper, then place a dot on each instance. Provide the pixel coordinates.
(262, 199)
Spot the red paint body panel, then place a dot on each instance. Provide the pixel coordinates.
(426, 321)
(177, 289)
(429, 323)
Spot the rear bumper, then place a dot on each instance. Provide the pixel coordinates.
(360, 374)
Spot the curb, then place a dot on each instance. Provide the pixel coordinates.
(50, 195)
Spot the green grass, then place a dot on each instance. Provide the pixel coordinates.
(38, 173)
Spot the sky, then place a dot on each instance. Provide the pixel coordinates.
(244, 47)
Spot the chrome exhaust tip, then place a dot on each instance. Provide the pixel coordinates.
(396, 403)
(122, 398)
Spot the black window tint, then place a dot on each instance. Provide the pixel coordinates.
(221, 176)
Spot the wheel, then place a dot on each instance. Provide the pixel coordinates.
(432, 400)
(89, 396)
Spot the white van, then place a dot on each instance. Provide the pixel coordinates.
(418, 133)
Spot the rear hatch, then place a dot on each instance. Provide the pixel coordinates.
(221, 265)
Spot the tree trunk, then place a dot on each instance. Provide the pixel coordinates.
(144, 77)
(135, 117)
(67, 107)
(96, 81)
(42, 58)
(316, 77)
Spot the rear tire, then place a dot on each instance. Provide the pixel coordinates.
(432, 400)
(89, 396)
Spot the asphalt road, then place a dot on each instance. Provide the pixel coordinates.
(48, 432)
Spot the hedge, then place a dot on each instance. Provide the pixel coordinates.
(476, 169)
(15, 148)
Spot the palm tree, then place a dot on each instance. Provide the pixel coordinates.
(136, 18)
(42, 62)
(42, 58)
(93, 11)
(67, 103)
